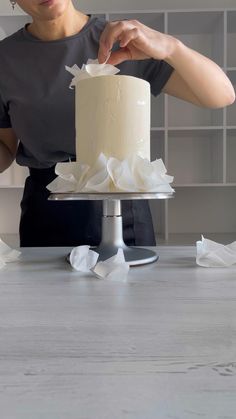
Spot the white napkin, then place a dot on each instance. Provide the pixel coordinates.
(84, 260)
(7, 254)
(114, 268)
(215, 255)
(134, 174)
(91, 69)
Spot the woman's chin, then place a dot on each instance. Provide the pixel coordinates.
(45, 9)
(51, 9)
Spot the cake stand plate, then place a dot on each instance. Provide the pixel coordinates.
(112, 228)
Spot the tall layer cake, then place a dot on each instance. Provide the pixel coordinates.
(112, 117)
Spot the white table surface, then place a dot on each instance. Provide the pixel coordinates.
(162, 345)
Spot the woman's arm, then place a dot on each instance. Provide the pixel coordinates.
(196, 78)
(8, 148)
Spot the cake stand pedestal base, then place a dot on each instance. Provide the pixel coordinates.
(112, 237)
(112, 228)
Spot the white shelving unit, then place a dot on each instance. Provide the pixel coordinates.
(197, 145)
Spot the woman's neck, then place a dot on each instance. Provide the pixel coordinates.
(68, 24)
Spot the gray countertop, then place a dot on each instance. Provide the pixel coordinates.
(162, 345)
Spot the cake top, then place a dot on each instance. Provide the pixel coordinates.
(118, 77)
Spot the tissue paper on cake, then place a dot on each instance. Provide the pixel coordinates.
(135, 174)
(7, 254)
(91, 69)
(78, 177)
(139, 175)
(211, 254)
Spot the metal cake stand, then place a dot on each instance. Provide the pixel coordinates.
(112, 231)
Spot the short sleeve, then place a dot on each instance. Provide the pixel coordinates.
(157, 73)
(5, 121)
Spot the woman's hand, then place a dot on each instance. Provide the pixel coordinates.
(195, 78)
(137, 42)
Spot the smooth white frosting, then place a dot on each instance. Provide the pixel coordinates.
(112, 117)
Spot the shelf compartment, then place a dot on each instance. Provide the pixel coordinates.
(231, 38)
(14, 176)
(202, 31)
(204, 185)
(99, 15)
(153, 20)
(196, 128)
(183, 114)
(231, 110)
(10, 210)
(158, 206)
(157, 145)
(6, 178)
(196, 157)
(10, 24)
(189, 239)
(230, 156)
(157, 111)
(19, 174)
(205, 211)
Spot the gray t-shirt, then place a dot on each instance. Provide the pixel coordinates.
(35, 99)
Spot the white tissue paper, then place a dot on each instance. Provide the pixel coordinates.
(84, 260)
(114, 268)
(134, 174)
(91, 69)
(215, 255)
(7, 254)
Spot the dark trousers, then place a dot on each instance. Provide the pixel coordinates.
(74, 223)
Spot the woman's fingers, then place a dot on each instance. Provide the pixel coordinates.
(112, 33)
(138, 41)
(129, 36)
(117, 57)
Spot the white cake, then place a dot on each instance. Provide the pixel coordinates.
(112, 117)
(112, 136)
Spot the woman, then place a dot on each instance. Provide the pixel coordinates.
(37, 108)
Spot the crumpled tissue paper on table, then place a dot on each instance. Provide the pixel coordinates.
(85, 260)
(114, 268)
(211, 254)
(7, 254)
